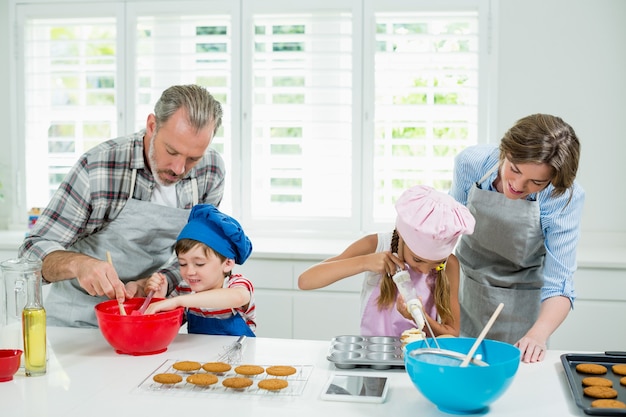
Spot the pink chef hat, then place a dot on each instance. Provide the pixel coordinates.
(430, 222)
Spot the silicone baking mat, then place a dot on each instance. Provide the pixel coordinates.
(296, 383)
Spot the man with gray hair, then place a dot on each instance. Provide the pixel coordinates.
(129, 197)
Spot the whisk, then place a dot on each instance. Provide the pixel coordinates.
(233, 352)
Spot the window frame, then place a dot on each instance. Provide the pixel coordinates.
(239, 119)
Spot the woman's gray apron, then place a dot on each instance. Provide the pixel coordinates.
(502, 261)
(140, 239)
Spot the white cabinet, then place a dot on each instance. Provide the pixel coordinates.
(596, 322)
(285, 311)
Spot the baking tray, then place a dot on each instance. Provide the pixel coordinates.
(570, 360)
(375, 352)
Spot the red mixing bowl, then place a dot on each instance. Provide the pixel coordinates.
(9, 363)
(146, 334)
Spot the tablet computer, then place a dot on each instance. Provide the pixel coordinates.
(358, 388)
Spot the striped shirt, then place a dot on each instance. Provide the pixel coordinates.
(234, 281)
(560, 221)
(97, 187)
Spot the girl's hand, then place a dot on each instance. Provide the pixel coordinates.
(401, 307)
(384, 263)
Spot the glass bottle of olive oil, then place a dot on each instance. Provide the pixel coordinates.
(34, 327)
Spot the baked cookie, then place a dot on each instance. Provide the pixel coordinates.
(623, 380)
(600, 392)
(607, 404)
(619, 369)
(597, 381)
(237, 382)
(280, 370)
(411, 335)
(186, 366)
(591, 368)
(273, 384)
(167, 378)
(202, 379)
(218, 367)
(249, 370)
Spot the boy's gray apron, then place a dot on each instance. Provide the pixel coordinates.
(502, 261)
(140, 239)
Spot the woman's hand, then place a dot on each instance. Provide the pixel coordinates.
(533, 350)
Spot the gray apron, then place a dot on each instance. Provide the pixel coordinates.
(140, 239)
(502, 261)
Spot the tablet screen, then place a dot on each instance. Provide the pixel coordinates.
(356, 388)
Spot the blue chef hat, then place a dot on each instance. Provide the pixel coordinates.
(218, 231)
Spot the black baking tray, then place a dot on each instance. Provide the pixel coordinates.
(608, 359)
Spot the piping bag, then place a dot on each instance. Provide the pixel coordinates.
(402, 280)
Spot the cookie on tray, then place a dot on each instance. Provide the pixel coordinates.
(619, 369)
(280, 370)
(597, 381)
(273, 384)
(186, 366)
(591, 368)
(607, 404)
(600, 392)
(623, 380)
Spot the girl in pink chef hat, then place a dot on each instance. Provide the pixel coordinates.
(428, 226)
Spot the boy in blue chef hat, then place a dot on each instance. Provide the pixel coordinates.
(216, 301)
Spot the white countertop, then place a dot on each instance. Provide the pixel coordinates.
(87, 378)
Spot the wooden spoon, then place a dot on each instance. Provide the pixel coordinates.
(120, 303)
(481, 336)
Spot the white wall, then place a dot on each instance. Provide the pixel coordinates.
(565, 57)
(568, 58)
(5, 119)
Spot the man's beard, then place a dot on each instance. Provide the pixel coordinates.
(154, 167)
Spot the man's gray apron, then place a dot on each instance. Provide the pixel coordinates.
(140, 239)
(501, 262)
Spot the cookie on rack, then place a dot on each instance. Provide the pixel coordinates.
(217, 367)
(273, 384)
(237, 382)
(167, 378)
(203, 380)
(186, 366)
(280, 370)
(249, 370)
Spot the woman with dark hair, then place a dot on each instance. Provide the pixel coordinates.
(528, 208)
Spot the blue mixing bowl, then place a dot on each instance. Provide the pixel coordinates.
(457, 390)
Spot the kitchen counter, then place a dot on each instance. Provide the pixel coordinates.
(87, 378)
